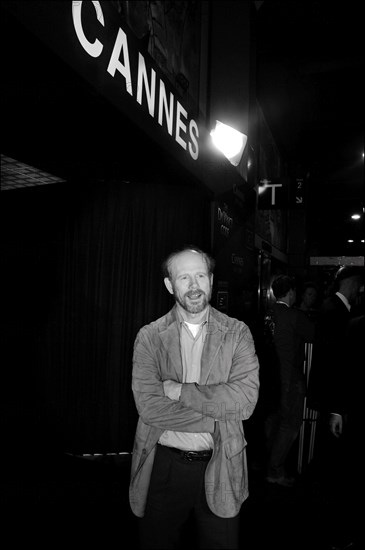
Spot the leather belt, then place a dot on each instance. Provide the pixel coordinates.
(191, 456)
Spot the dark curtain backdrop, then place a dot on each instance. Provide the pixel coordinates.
(82, 266)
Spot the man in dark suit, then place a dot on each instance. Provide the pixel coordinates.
(292, 329)
(332, 325)
(334, 391)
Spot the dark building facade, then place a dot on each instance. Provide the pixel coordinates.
(107, 165)
(114, 100)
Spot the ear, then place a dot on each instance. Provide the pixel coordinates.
(168, 285)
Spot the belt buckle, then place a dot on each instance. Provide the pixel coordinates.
(191, 455)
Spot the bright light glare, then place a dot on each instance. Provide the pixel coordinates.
(263, 185)
(229, 141)
(355, 216)
(350, 240)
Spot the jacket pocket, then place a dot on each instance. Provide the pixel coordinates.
(234, 446)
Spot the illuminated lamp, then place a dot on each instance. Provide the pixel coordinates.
(229, 141)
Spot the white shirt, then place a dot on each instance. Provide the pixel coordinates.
(344, 300)
(191, 351)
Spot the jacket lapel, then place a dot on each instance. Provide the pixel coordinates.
(213, 341)
(170, 338)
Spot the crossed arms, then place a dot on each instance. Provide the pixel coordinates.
(190, 407)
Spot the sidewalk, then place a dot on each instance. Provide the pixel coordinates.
(84, 502)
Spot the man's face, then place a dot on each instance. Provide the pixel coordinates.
(309, 296)
(190, 282)
(292, 296)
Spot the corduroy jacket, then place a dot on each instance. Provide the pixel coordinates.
(226, 395)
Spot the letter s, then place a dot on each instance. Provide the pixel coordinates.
(193, 128)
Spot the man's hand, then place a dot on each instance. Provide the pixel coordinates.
(335, 424)
(172, 389)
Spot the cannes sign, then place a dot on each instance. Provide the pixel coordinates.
(149, 89)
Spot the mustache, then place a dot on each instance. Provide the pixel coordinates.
(193, 293)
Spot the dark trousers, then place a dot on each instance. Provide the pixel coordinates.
(283, 425)
(177, 493)
(339, 467)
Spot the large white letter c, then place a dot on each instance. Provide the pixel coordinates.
(93, 48)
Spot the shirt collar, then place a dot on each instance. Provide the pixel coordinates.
(284, 303)
(182, 320)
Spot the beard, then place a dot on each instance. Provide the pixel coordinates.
(193, 301)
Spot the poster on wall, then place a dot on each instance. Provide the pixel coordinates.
(235, 284)
(298, 191)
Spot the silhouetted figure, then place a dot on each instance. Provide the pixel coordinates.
(292, 329)
(334, 390)
(309, 300)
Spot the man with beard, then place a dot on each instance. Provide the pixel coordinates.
(195, 379)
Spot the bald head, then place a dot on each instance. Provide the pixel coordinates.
(166, 265)
(190, 280)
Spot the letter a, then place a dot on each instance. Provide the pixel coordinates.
(114, 63)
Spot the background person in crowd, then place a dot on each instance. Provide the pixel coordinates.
(345, 427)
(309, 300)
(334, 390)
(195, 379)
(332, 326)
(291, 330)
